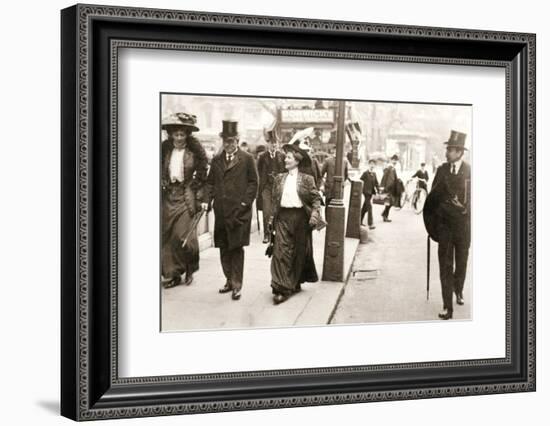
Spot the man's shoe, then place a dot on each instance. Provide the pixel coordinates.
(236, 295)
(265, 240)
(386, 219)
(446, 314)
(372, 227)
(459, 299)
(226, 288)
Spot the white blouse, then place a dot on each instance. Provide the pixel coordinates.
(176, 165)
(290, 198)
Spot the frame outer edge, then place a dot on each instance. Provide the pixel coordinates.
(81, 342)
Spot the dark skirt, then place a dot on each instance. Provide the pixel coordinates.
(176, 223)
(292, 262)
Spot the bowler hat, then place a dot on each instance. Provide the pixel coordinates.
(180, 119)
(456, 140)
(395, 157)
(229, 129)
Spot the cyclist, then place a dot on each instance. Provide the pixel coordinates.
(423, 177)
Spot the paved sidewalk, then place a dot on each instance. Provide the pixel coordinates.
(388, 279)
(200, 306)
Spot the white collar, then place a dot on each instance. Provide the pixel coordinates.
(293, 172)
(458, 164)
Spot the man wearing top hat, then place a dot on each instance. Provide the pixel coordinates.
(270, 164)
(232, 186)
(447, 220)
(389, 186)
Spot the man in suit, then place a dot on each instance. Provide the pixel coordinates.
(390, 187)
(232, 184)
(447, 220)
(270, 163)
(328, 169)
(370, 187)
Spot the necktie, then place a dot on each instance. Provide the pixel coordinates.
(229, 158)
(454, 169)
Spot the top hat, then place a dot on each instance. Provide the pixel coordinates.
(180, 119)
(229, 129)
(270, 135)
(456, 140)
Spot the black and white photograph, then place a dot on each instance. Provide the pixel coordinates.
(290, 212)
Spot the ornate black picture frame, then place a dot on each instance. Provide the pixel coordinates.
(91, 387)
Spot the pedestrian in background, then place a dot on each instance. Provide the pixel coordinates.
(327, 174)
(389, 186)
(270, 164)
(370, 188)
(423, 176)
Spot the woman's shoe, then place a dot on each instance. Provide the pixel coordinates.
(188, 279)
(279, 298)
(176, 280)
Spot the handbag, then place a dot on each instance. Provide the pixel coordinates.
(379, 198)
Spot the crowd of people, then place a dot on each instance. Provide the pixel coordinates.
(287, 184)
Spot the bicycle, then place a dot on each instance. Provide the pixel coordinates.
(414, 194)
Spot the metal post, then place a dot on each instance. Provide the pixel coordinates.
(333, 264)
(353, 227)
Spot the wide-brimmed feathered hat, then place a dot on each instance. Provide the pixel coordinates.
(299, 148)
(180, 119)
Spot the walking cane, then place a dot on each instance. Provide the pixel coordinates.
(428, 270)
(258, 217)
(194, 225)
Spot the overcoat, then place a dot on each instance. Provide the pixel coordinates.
(391, 185)
(232, 188)
(268, 168)
(448, 203)
(328, 169)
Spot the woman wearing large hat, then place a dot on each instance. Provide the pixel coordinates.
(183, 175)
(296, 212)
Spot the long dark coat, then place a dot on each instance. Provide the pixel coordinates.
(440, 210)
(328, 169)
(230, 186)
(267, 170)
(391, 186)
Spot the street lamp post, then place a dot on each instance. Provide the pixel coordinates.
(333, 263)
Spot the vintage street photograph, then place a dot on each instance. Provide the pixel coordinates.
(285, 212)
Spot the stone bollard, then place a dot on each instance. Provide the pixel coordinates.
(353, 228)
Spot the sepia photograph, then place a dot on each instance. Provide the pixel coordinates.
(281, 212)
